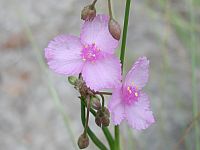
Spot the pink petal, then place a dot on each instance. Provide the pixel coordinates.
(102, 74)
(63, 55)
(139, 115)
(97, 32)
(116, 106)
(138, 75)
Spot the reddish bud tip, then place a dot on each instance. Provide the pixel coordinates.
(114, 29)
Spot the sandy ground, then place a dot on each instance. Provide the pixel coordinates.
(29, 119)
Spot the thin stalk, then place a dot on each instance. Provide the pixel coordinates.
(104, 93)
(194, 85)
(88, 115)
(91, 134)
(122, 56)
(93, 3)
(110, 9)
(105, 130)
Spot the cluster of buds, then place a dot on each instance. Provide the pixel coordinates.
(102, 118)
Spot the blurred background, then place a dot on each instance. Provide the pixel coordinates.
(39, 110)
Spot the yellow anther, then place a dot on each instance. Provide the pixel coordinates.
(136, 94)
(129, 89)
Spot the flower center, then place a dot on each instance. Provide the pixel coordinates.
(90, 53)
(131, 94)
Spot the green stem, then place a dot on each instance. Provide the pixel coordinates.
(93, 137)
(117, 138)
(105, 130)
(123, 47)
(122, 56)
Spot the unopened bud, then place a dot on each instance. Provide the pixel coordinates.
(98, 121)
(96, 103)
(98, 117)
(106, 111)
(88, 13)
(114, 29)
(102, 117)
(83, 141)
(72, 80)
(105, 121)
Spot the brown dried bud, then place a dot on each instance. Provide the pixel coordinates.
(81, 87)
(98, 117)
(96, 103)
(106, 111)
(83, 141)
(88, 13)
(98, 121)
(114, 29)
(105, 121)
(102, 117)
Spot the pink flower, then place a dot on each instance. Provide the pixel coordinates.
(92, 55)
(129, 102)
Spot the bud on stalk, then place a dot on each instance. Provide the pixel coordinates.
(102, 117)
(95, 103)
(88, 13)
(114, 29)
(83, 141)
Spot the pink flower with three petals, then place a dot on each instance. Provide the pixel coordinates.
(92, 55)
(129, 102)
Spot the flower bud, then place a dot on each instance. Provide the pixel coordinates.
(98, 117)
(98, 121)
(105, 121)
(72, 80)
(114, 29)
(95, 103)
(83, 141)
(88, 13)
(102, 117)
(106, 111)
